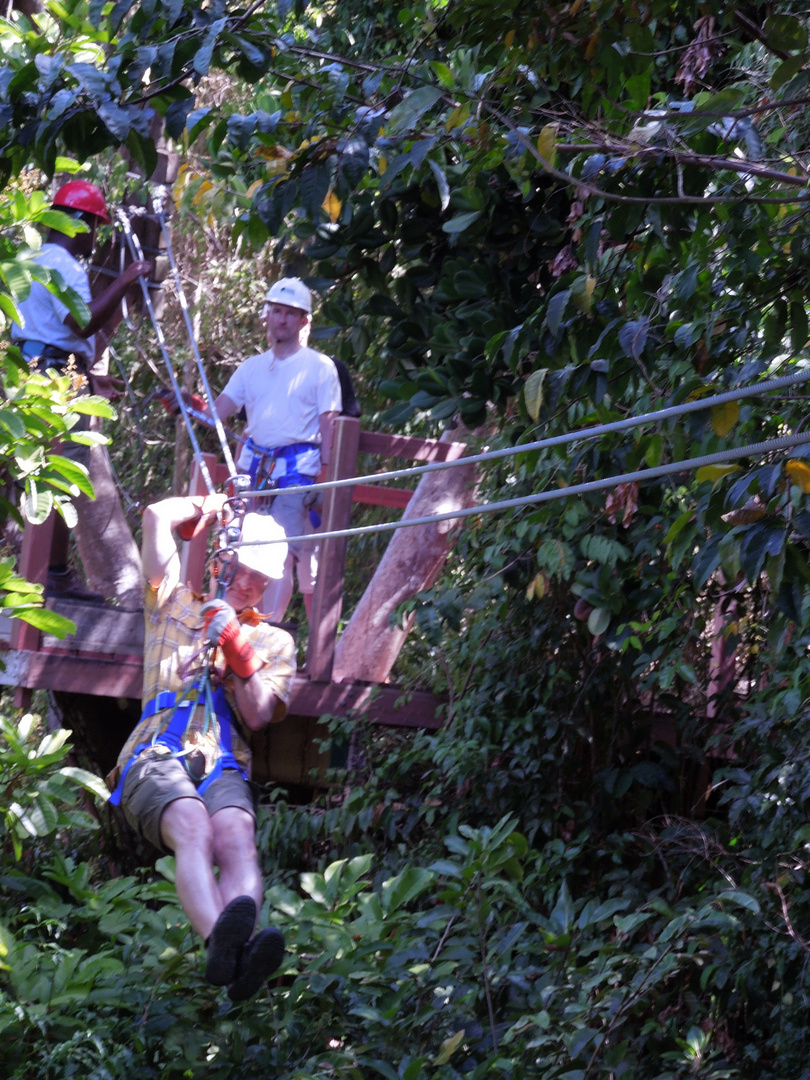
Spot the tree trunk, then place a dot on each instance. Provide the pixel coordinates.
(108, 551)
(369, 646)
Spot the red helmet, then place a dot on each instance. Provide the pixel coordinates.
(84, 196)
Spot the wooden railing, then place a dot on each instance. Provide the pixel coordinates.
(348, 442)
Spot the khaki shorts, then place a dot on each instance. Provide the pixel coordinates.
(154, 781)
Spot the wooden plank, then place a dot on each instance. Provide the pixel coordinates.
(99, 629)
(376, 442)
(121, 676)
(104, 676)
(327, 599)
(379, 495)
(389, 705)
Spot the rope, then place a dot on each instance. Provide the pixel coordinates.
(157, 200)
(137, 253)
(785, 442)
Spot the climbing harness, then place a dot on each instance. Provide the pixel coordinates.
(263, 464)
(174, 739)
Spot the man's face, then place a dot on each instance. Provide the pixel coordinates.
(284, 323)
(246, 589)
(83, 243)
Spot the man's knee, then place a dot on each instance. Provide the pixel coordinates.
(185, 823)
(233, 833)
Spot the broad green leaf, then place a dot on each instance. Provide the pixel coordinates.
(459, 222)
(556, 307)
(743, 899)
(441, 183)
(449, 1047)
(89, 781)
(404, 116)
(599, 621)
(547, 144)
(724, 417)
(533, 392)
(49, 622)
(715, 472)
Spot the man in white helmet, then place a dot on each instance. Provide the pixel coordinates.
(291, 395)
(182, 778)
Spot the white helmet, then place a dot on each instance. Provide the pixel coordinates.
(292, 292)
(260, 553)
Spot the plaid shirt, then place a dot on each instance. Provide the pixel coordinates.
(173, 638)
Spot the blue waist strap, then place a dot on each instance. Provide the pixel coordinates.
(291, 477)
(172, 736)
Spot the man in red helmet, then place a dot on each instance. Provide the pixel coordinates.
(49, 336)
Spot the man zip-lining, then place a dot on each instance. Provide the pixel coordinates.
(213, 673)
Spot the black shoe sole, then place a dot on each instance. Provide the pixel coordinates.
(231, 932)
(260, 958)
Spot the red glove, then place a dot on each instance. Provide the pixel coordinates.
(199, 523)
(193, 401)
(222, 628)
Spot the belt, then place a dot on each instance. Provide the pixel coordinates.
(291, 477)
(48, 356)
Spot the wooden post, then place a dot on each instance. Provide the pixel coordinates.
(35, 557)
(327, 599)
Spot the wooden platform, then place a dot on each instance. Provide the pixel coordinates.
(104, 657)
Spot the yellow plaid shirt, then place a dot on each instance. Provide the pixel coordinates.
(173, 637)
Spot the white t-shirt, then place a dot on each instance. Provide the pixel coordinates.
(44, 315)
(284, 400)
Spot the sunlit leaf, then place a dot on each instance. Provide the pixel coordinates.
(724, 417)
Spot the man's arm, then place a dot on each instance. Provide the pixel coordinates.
(224, 407)
(102, 307)
(258, 705)
(158, 547)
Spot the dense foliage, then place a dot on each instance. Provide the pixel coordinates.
(535, 221)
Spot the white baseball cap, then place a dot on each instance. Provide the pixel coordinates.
(260, 553)
(292, 292)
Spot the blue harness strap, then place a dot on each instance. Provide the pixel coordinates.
(172, 736)
(291, 477)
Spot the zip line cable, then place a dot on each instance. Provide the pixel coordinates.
(784, 442)
(238, 482)
(158, 202)
(137, 253)
(558, 440)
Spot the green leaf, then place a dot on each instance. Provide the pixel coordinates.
(459, 222)
(742, 899)
(533, 392)
(89, 781)
(785, 33)
(49, 622)
(405, 115)
(556, 308)
(599, 621)
(404, 887)
(441, 183)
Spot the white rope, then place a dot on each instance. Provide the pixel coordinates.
(157, 200)
(136, 251)
(785, 442)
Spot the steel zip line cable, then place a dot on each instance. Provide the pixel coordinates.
(158, 201)
(572, 436)
(784, 442)
(136, 251)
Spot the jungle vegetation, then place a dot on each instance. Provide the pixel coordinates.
(528, 220)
